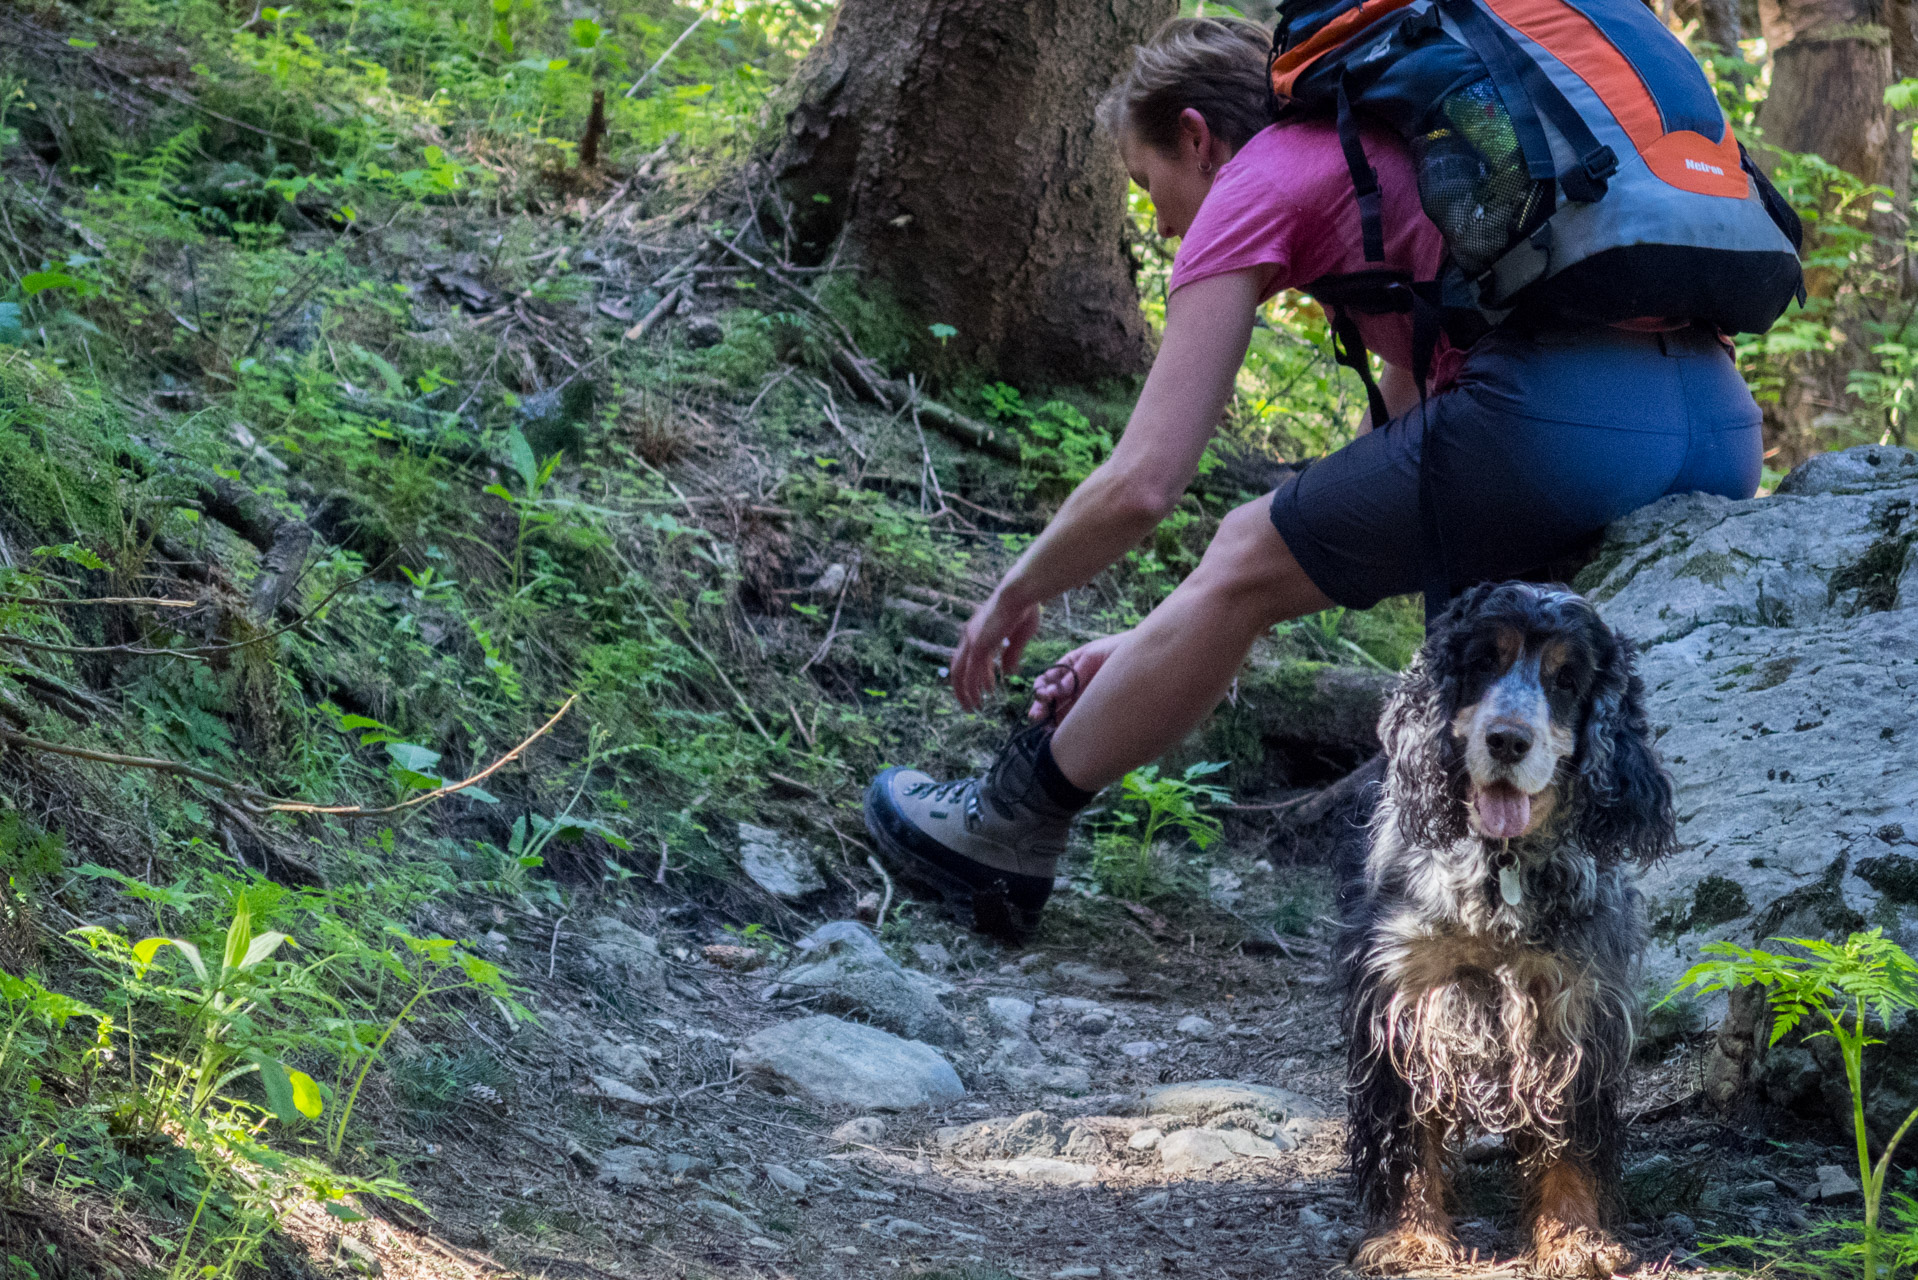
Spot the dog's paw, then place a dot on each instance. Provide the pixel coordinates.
(1397, 1250)
(1578, 1254)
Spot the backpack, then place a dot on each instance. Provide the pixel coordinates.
(1571, 152)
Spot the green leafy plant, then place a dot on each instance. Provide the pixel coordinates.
(217, 1019)
(429, 970)
(1841, 992)
(1152, 807)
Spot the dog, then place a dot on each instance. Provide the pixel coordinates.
(1491, 931)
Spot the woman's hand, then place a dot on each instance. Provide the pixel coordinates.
(997, 633)
(1057, 689)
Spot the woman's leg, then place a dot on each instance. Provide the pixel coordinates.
(1176, 666)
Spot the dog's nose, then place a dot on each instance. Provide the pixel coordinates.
(1508, 743)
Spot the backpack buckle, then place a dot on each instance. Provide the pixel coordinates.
(1586, 181)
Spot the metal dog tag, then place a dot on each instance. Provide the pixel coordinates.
(1509, 886)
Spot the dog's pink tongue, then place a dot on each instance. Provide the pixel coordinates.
(1503, 811)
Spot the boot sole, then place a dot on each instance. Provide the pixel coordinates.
(990, 904)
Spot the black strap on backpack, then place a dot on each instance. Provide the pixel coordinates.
(1528, 91)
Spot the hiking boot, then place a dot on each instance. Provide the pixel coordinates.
(990, 843)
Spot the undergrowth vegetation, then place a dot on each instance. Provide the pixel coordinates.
(381, 580)
(432, 510)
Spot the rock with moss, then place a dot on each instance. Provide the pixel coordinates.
(1778, 641)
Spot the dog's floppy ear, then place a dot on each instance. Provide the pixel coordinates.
(1625, 794)
(1412, 731)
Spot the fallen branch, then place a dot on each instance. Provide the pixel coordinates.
(156, 602)
(198, 651)
(438, 793)
(254, 801)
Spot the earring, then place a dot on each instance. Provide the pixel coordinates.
(1205, 166)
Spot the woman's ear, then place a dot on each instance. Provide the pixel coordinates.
(1195, 138)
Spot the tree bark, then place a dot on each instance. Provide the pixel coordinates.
(947, 149)
(1831, 64)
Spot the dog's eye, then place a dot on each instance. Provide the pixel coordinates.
(1567, 678)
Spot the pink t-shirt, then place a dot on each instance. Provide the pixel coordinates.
(1285, 203)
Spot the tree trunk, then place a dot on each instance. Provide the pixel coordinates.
(1831, 64)
(951, 144)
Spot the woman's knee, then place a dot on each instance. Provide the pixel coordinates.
(1249, 569)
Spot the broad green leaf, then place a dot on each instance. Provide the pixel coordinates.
(520, 453)
(146, 948)
(306, 1094)
(263, 946)
(37, 282)
(412, 756)
(343, 1211)
(277, 1086)
(239, 936)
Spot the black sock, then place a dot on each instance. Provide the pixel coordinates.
(1056, 785)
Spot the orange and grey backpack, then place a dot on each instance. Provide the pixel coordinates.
(1571, 152)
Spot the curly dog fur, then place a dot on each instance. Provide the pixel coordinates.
(1491, 934)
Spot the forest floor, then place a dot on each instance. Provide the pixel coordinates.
(349, 428)
(746, 1183)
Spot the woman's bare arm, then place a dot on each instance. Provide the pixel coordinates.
(1208, 324)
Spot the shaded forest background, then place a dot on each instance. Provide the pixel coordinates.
(395, 392)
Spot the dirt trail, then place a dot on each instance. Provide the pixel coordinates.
(549, 1175)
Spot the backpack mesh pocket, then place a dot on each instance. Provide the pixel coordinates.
(1472, 177)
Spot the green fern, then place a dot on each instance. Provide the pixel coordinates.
(1849, 987)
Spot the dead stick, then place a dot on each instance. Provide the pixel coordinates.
(879, 921)
(438, 793)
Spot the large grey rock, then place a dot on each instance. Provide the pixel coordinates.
(848, 972)
(843, 1064)
(1779, 646)
(782, 867)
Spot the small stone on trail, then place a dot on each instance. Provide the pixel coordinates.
(905, 1229)
(1144, 1140)
(1045, 1171)
(1193, 1150)
(624, 1094)
(722, 1214)
(1202, 1099)
(1223, 887)
(1076, 1273)
(835, 1063)
(1310, 1217)
(1087, 975)
(738, 959)
(1196, 1027)
(782, 867)
(865, 1129)
(874, 1197)
(1835, 1185)
(1680, 1225)
(931, 955)
(1140, 1048)
(621, 1167)
(785, 1179)
(1096, 1023)
(1009, 1014)
(844, 970)
(1154, 1202)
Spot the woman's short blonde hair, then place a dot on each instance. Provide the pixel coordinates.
(1215, 66)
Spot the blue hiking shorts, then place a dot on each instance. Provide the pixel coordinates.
(1544, 440)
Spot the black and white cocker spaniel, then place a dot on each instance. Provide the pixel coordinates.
(1491, 935)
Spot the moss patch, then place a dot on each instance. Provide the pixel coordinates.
(1707, 566)
(1874, 575)
(1895, 875)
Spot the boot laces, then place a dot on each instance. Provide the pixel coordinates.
(941, 792)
